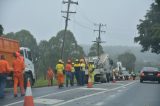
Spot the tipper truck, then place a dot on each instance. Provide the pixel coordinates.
(7, 48)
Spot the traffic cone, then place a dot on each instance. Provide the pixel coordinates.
(89, 85)
(114, 79)
(28, 99)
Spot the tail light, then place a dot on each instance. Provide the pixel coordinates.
(142, 74)
(158, 75)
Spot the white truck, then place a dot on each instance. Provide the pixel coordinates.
(103, 68)
(7, 48)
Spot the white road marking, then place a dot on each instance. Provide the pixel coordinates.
(43, 96)
(47, 101)
(10, 104)
(99, 104)
(112, 96)
(119, 90)
(94, 94)
(100, 89)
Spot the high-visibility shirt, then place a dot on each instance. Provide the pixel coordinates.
(18, 65)
(59, 68)
(73, 70)
(68, 67)
(77, 67)
(50, 73)
(90, 68)
(82, 66)
(4, 66)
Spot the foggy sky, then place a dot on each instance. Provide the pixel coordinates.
(43, 18)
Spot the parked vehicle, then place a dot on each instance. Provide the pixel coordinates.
(126, 75)
(150, 74)
(103, 68)
(7, 48)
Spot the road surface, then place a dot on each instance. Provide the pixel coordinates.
(121, 93)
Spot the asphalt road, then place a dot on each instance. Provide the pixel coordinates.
(121, 93)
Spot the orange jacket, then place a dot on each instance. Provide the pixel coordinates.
(50, 74)
(4, 66)
(18, 65)
(68, 67)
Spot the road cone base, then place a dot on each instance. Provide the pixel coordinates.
(28, 101)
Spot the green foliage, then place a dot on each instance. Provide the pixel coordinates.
(94, 48)
(1, 30)
(47, 53)
(128, 60)
(25, 39)
(149, 29)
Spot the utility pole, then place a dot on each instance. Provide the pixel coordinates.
(98, 39)
(69, 2)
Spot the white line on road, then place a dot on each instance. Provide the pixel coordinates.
(47, 101)
(99, 89)
(43, 96)
(72, 100)
(99, 104)
(58, 93)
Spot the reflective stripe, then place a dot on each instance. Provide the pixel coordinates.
(28, 91)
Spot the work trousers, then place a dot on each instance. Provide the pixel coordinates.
(60, 79)
(82, 78)
(77, 74)
(2, 84)
(68, 78)
(72, 78)
(18, 79)
(91, 75)
(50, 81)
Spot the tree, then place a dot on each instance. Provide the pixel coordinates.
(149, 30)
(128, 60)
(71, 49)
(1, 30)
(93, 50)
(25, 39)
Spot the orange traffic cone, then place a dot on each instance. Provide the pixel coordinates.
(28, 99)
(114, 79)
(89, 83)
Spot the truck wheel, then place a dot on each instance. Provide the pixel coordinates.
(27, 76)
(159, 81)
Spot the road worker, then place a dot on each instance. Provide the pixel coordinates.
(82, 72)
(50, 76)
(77, 71)
(91, 68)
(18, 68)
(72, 75)
(60, 74)
(4, 69)
(68, 69)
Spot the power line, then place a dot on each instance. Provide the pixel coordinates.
(82, 25)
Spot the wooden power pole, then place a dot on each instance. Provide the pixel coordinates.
(98, 39)
(69, 2)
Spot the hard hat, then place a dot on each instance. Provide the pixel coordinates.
(60, 61)
(72, 63)
(69, 61)
(81, 60)
(76, 60)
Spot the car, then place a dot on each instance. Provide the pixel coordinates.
(149, 74)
